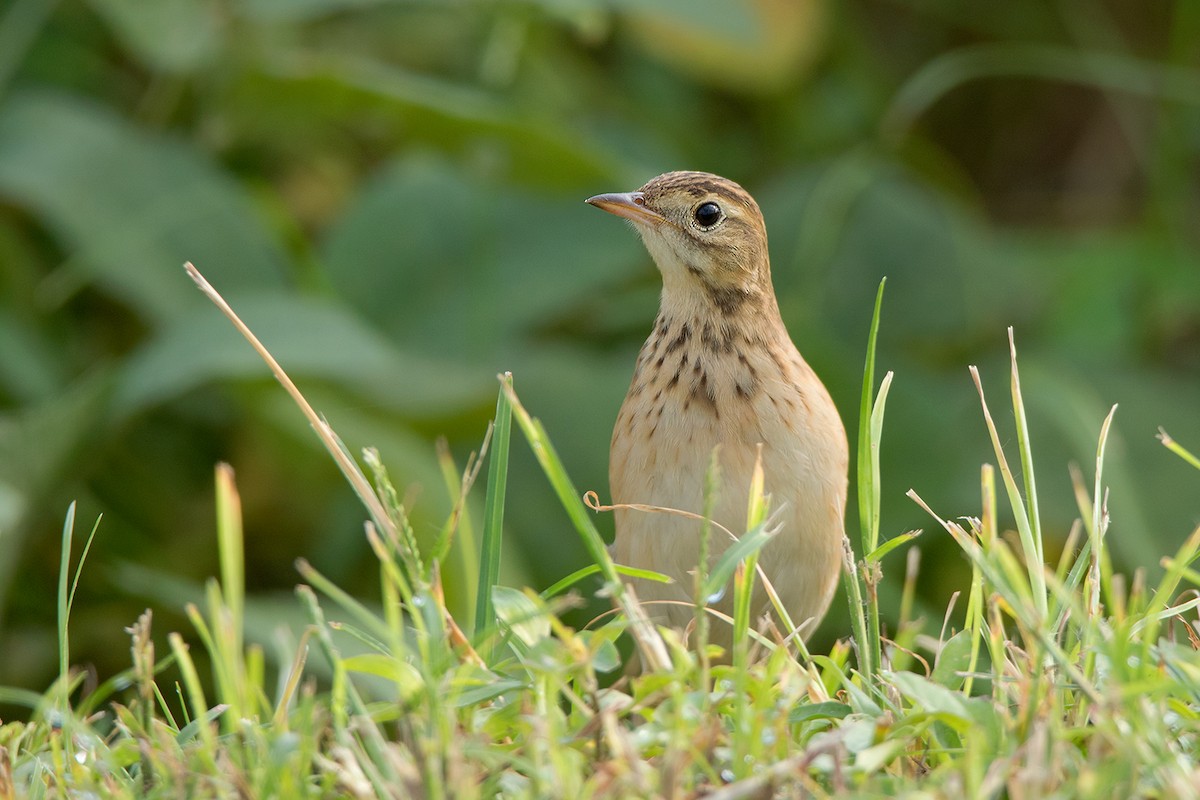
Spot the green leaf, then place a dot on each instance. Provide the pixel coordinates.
(405, 676)
(311, 338)
(32, 364)
(38, 442)
(829, 709)
(560, 586)
(714, 17)
(526, 620)
(954, 658)
(471, 685)
(179, 36)
(129, 207)
(605, 656)
(298, 10)
(390, 256)
(947, 705)
(483, 692)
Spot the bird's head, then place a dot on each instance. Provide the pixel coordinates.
(705, 233)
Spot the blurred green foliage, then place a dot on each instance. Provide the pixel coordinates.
(390, 193)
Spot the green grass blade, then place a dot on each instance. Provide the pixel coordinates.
(874, 438)
(1025, 448)
(876, 555)
(651, 646)
(1098, 523)
(347, 602)
(1034, 570)
(745, 547)
(66, 596)
(872, 573)
(1177, 448)
(231, 550)
(852, 585)
(1176, 568)
(975, 606)
(868, 499)
(560, 586)
(458, 532)
(743, 568)
(864, 614)
(201, 713)
(568, 496)
(64, 609)
(493, 510)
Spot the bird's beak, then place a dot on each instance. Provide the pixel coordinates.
(630, 205)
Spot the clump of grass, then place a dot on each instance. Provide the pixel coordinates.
(1064, 681)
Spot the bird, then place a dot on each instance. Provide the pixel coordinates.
(719, 370)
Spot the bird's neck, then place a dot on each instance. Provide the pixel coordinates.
(692, 301)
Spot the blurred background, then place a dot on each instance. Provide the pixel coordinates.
(391, 195)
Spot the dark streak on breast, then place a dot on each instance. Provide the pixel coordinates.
(716, 344)
(703, 391)
(780, 363)
(685, 333)
(746, 390)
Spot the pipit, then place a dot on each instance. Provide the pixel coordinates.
(720, 369)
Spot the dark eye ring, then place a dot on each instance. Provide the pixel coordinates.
(708, 214)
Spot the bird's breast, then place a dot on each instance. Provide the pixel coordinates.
(742, 396)
(698, 385)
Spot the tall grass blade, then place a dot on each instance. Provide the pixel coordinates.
(650, 644)
(1098, 522)
(64, 609)
(872, 571)
(231, 552)
(201, 713)
(1034, 568)
(745, 547)
(66, 594)
(860, 579)
(458, 532)
(568, 496)
(1025, 448)
(493, 513)
(868, 456)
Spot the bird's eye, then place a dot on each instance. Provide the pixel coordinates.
(708, 214)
